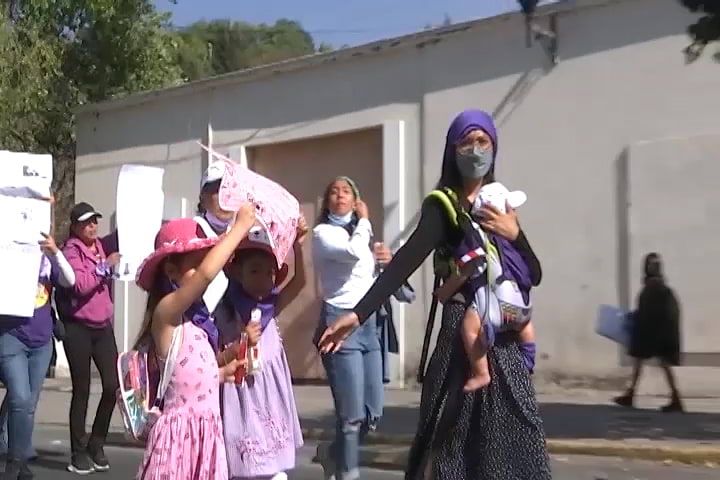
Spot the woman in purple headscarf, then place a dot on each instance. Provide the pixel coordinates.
(494, 433)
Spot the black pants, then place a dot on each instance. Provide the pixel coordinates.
(81, 344)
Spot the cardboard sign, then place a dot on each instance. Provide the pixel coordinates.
(277, 208)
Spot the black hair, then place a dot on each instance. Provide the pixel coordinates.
(210, 187)
(323, 217)
(652, 267)
(245, 254)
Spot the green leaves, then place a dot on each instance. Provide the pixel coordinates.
(57, 54)
(222, 46)
(705, 30)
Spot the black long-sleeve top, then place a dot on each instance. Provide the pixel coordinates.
(433, 231)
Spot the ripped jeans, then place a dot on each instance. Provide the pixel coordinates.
(356, 379)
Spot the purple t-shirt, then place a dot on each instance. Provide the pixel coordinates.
(37, 330)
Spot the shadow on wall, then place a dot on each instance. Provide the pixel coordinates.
(434, 64)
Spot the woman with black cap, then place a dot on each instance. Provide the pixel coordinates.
(87, 311)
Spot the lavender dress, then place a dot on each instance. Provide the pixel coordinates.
(261, 425)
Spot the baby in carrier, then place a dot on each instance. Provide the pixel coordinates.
(491, 271)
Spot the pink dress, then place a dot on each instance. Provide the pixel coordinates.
(187, 442)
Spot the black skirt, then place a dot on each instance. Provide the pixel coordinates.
(493, 434)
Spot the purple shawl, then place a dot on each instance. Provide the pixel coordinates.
(244, 304)
(199, 315)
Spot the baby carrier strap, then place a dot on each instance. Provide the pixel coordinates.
(442, 266)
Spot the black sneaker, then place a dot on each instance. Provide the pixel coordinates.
(81, 464)
(625, 400)
(674, 406)
(98, 459)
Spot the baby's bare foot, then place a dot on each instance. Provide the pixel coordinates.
(477, 381)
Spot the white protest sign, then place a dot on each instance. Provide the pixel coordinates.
(25, 181)
(140, 203)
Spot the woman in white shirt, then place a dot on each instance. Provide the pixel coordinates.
(346, 265)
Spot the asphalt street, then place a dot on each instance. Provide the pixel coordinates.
(52, 445)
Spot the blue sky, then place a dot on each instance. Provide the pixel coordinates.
(340, 22)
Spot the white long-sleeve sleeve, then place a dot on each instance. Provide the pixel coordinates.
(66, 274)
(344, 263)
(336, 245)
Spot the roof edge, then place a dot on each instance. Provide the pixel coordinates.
(417, 39)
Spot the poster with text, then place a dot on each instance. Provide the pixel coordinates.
(25, 213)
(140, 203)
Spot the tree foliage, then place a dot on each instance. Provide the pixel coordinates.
(706, 29)
(222, 46)
(57, 54)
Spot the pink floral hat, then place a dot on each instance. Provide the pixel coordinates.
(176, 236)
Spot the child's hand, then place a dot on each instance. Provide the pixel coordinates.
(302, 230)
(245, 216)
(227, 373)
(253, 332)
(229, 353)
(445, 292)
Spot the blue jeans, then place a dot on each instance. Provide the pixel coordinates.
(356, 379)
(23, 370)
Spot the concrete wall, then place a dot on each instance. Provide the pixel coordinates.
(565, 135)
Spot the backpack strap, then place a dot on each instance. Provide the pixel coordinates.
(169, 366)
(449, 204)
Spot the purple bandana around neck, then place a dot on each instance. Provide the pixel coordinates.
(219, 226)
(244, 304)
(199, 315)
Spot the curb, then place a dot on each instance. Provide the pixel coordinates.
(393, 455)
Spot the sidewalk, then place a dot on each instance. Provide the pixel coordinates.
(577, 422)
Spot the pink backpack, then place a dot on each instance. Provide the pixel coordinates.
(143, 385)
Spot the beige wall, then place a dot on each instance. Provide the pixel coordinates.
(563, 133)
(305, 168)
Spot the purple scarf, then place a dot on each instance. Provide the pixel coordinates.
(198, 314)
(244, 304)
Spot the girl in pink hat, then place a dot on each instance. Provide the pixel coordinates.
(187, 442)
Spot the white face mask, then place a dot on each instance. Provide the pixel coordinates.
(340, 220)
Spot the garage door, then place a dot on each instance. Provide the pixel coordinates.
(305, 168)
